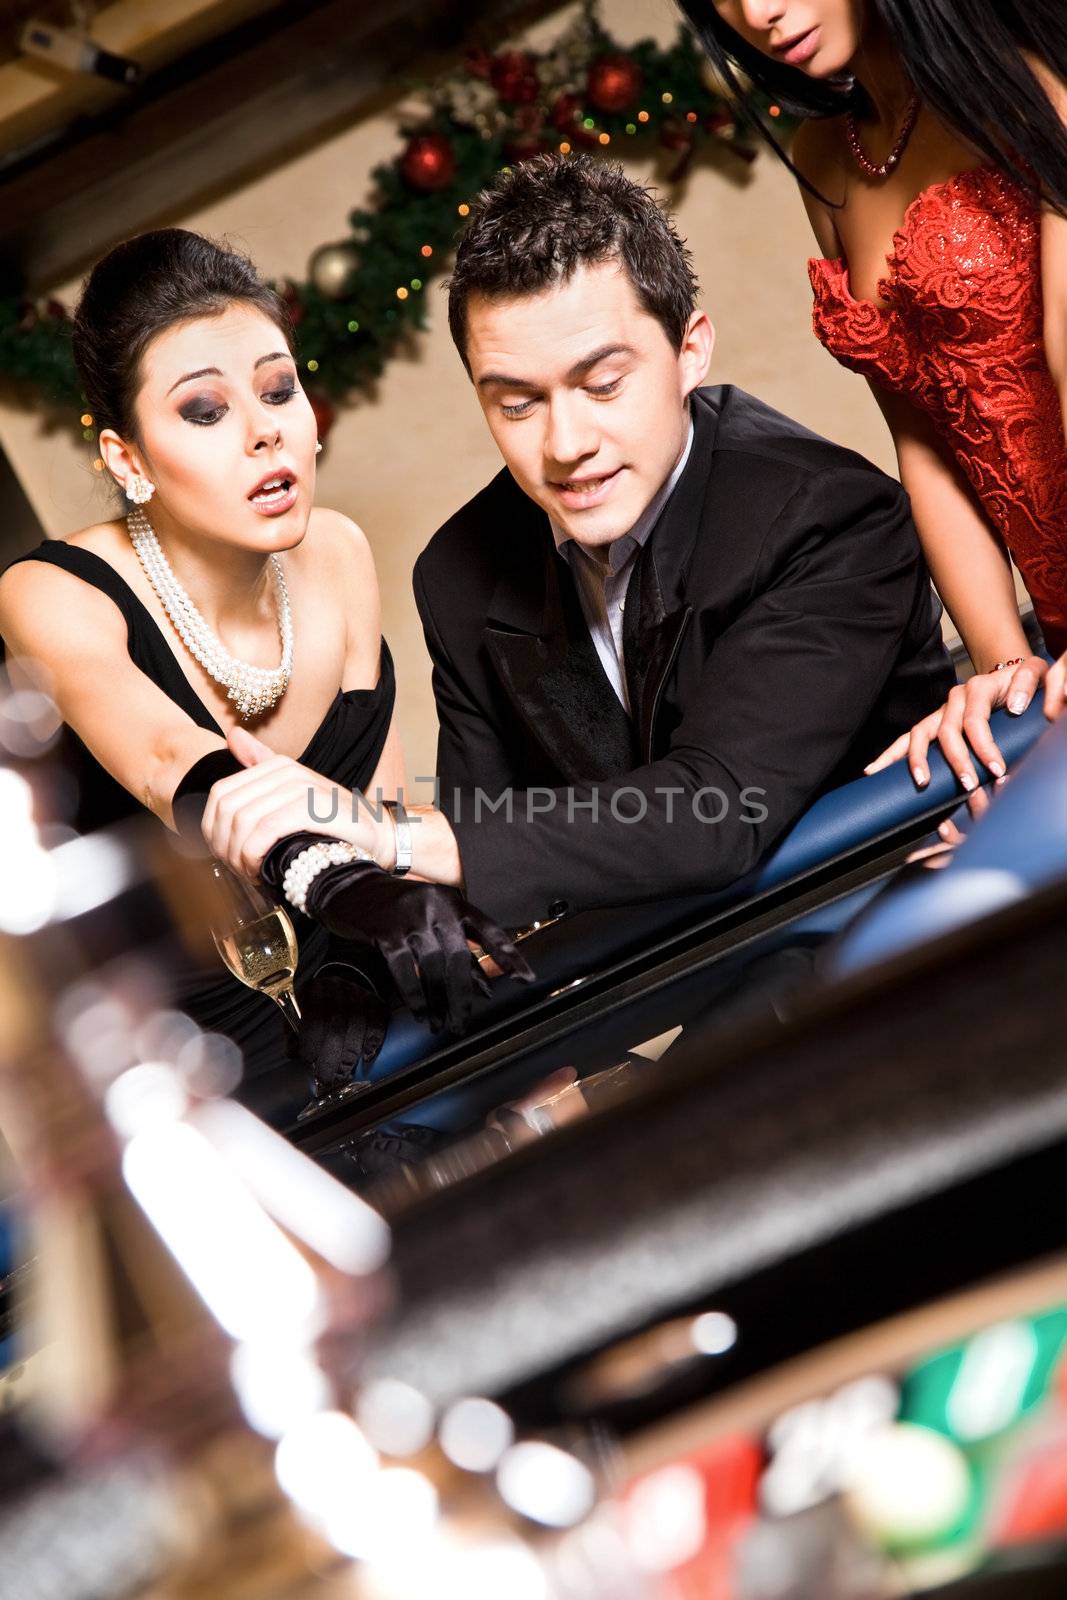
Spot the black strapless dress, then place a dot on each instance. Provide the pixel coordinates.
(345, 747)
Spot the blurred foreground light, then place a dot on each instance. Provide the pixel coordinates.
(395, 1509)
(987, 1395)
(306, 1200)
(29, 723)
(29, 896)
(475, 1433)
(279, 1386)
(714, 1333)
(16, 802)
(544, 1483)
(143, 1097)
(450, 1567)
(396, 1418)
(240, 1263)
(814, 1444)
(908, 1485)
(161, 1036)
(95, 1027)
(324, 1464)
(491, 1571)
(89, 873)
(210, 1064)
(666, 1520)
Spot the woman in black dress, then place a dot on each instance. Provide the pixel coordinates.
(224, 598)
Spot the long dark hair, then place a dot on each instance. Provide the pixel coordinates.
(967, 63)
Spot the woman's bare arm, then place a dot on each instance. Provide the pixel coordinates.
(967, 561)
(134, 730)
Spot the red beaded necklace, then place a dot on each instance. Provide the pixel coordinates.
(874, 169)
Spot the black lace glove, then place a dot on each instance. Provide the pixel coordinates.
(419, 929)
(342, 1029)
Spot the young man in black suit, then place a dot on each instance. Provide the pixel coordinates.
(676, 615)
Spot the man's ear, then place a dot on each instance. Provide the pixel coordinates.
(695, 355)
(120, 459)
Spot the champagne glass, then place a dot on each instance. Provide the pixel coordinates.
(255, 939)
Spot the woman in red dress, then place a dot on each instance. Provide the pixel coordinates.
(933, 164)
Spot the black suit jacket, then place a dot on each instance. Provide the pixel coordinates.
(780, 629)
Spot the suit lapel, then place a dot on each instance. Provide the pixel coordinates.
(539, 644)
(657, 615)
(651, 639)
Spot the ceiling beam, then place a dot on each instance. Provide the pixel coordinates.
(280, 84)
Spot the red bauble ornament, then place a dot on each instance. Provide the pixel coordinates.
(514, 77)
(325, 412)
(429, 162)
(614, 83)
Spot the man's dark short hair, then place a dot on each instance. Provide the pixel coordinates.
(543, 219)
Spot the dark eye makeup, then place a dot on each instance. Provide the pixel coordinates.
(204, 410)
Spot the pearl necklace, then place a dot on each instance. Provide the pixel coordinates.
(875, 169)
(253, 690)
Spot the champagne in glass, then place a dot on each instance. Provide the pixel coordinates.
(255, 939)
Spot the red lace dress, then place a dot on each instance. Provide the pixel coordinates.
(960, 334)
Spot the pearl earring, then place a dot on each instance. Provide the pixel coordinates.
(318, 447)
(139, 490)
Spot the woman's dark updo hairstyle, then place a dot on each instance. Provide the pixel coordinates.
(140, 289)
(968, 63)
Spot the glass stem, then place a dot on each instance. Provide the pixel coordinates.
(286, 999)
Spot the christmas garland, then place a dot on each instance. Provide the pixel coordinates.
(366, 294)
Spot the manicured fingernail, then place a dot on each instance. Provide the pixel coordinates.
(997, 769)
(1018, 703)
(920, 775)
(945, 829)
(1000, 783)
(969, 781)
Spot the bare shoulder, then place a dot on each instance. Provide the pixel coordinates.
(34, 594)
(338, 546)
(816, 154)
(335, 539)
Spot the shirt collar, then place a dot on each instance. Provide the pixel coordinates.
(624, 547)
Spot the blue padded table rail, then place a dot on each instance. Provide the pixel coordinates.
(838, 824)
(1017, 848)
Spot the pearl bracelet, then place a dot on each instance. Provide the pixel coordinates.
(305, 868)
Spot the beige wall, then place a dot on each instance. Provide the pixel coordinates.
(399, 464)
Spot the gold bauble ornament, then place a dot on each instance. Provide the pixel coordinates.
(332, 268)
